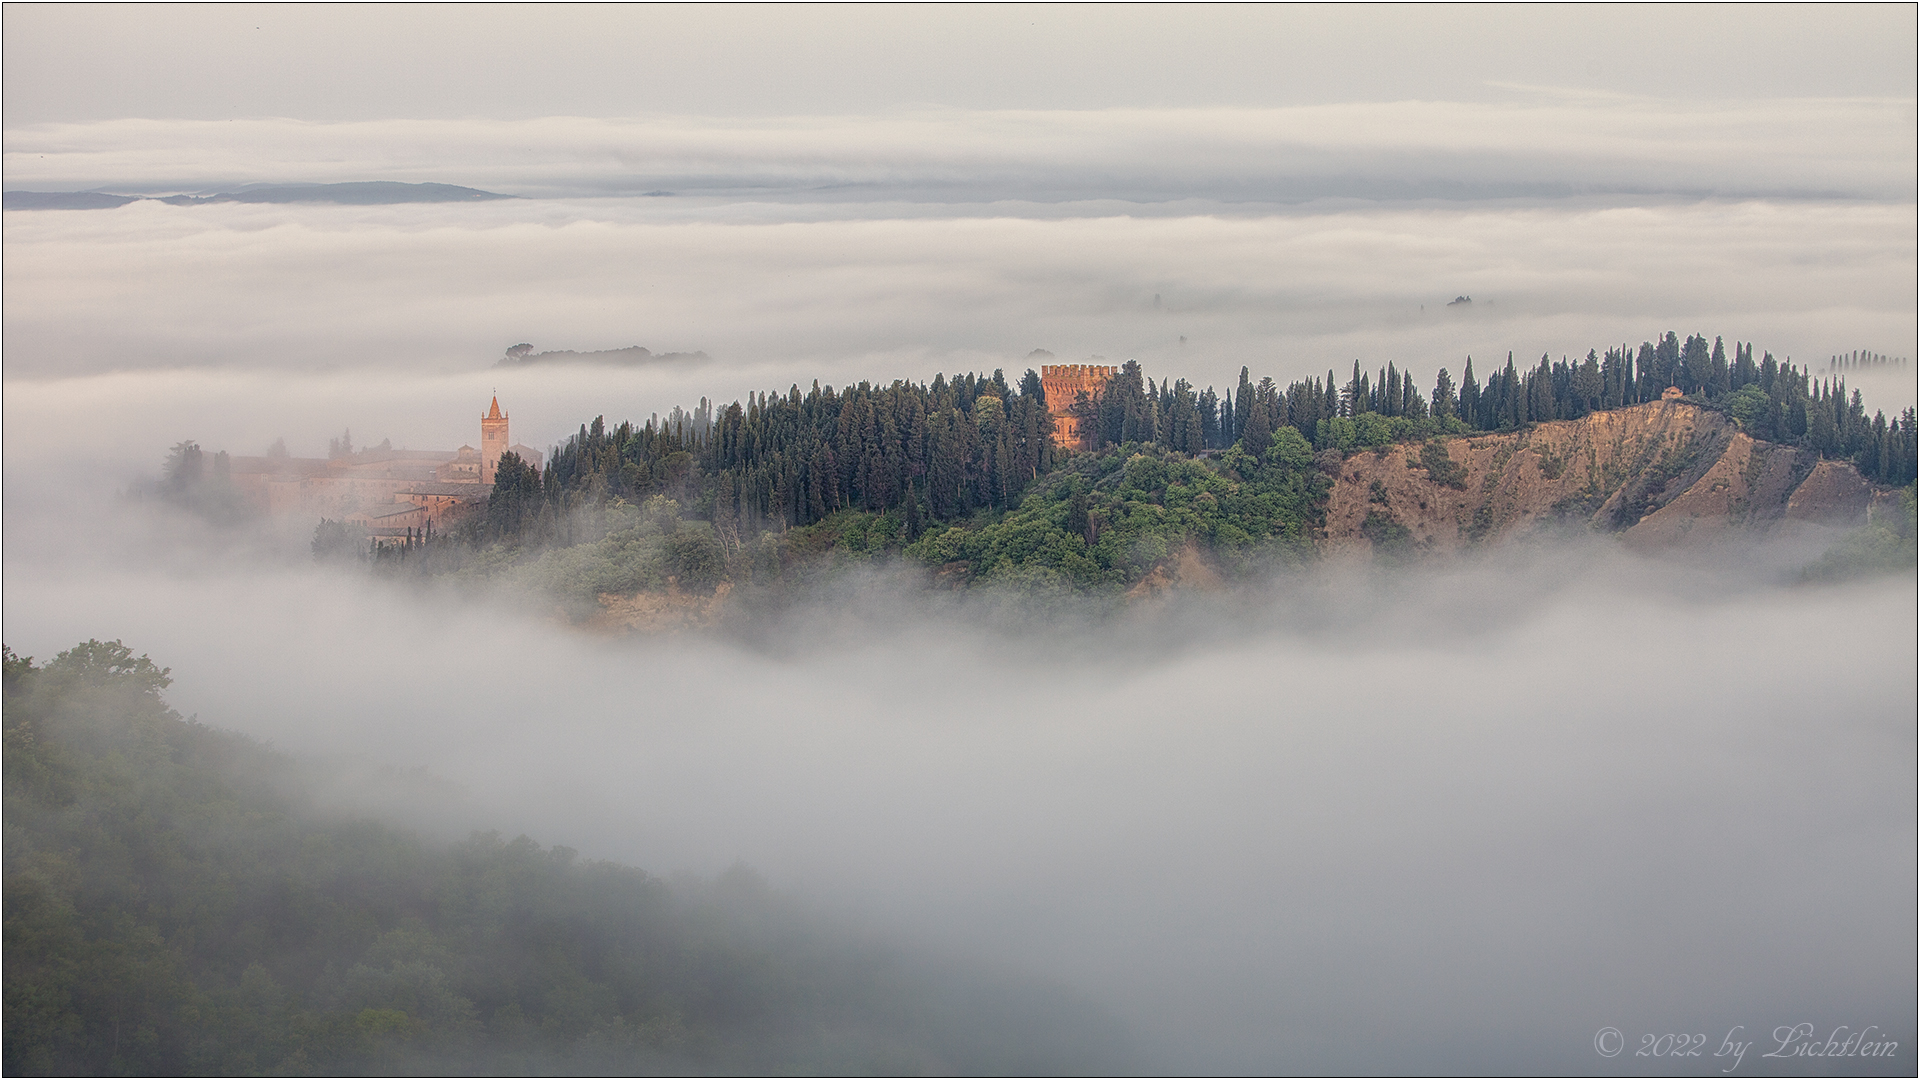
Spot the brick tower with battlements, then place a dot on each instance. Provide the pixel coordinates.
(1063, 384)
(493, 441)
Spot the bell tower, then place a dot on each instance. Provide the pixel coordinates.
(493, 441)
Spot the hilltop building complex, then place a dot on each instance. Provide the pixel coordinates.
(393, 494)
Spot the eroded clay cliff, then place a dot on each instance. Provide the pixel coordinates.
(1657, 474)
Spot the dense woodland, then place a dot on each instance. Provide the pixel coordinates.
(964, 471)
(175, 907)
(941, 452)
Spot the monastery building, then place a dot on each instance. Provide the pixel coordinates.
(394, 494)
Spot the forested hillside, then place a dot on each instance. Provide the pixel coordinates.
(946, 450)
(173, 907)
(963, 475)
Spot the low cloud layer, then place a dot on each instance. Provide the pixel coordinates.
(1540, 142)
(1452, 821)
(776, 297)
(1449, 821)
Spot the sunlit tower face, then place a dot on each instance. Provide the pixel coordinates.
(1064, 383)
(493, 441)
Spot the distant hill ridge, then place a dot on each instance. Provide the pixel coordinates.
(356, 193)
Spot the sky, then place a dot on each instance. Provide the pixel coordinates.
(92, 63)
(1360, 823)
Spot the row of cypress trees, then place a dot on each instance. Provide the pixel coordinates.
(945, 449)
(942, 451)
(1775, 401)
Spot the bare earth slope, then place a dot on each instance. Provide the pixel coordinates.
(1657, 473)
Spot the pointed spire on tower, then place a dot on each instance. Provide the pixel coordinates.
(494, 412)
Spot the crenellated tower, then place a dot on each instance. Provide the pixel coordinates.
(1063, 383)
(493, 441)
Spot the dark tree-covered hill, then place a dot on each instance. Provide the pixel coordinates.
(352, 193)
(172, 907)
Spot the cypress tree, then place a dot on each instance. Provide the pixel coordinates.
(1243, 403)
(1651, 380)
(1719, 374)
(1209, 406)
(1259, 430)
(1470, 397)
(1696, 366)
(1443, 399)
(1513, 402)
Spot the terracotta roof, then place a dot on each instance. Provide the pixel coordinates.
(468, 491)
(286, 466)
(380, 512)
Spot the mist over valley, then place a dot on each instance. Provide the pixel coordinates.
(893, 548)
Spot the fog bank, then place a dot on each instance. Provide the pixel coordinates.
(444, 289)
(1447, 820)
(1536, 142)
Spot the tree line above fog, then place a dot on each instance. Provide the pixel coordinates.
(963, 475)
(943, 451)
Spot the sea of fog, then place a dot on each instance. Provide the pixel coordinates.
(906, 241)
(778, 293)
(1447, 818)
(1453, 818)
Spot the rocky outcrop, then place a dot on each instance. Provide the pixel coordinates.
(1658, 474)
(1834, 491)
